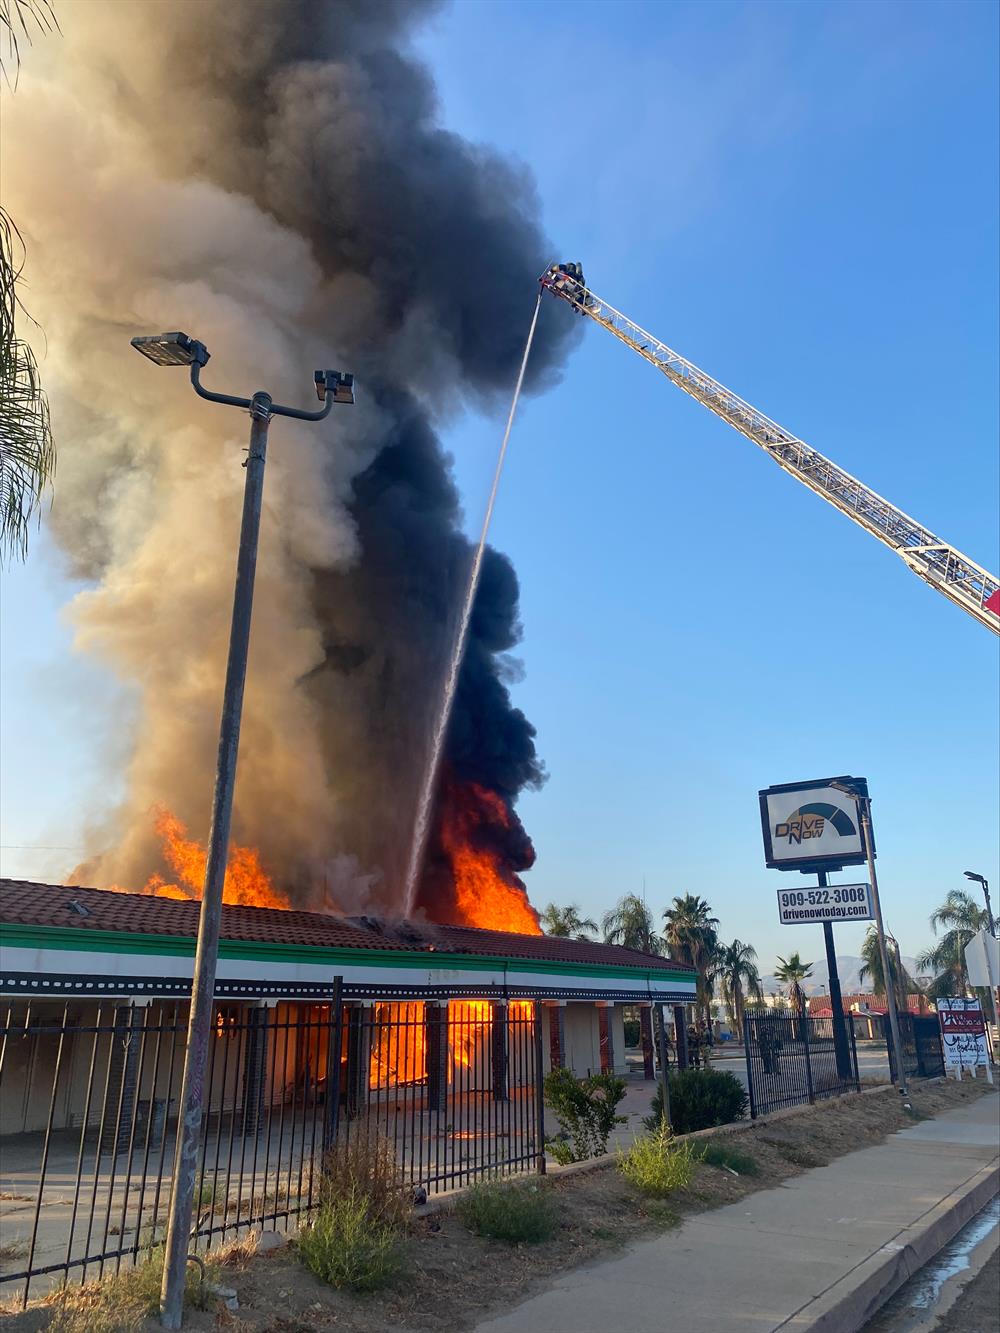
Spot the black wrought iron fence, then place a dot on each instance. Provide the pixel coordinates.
(792, 1059)
(455, 1087)
(90, 1093)
(920, 1038)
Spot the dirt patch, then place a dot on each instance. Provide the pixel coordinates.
(455, 1279)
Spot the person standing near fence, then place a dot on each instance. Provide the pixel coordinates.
(694, 1047)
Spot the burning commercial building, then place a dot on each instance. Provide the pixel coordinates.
(430, 1042)
(306, 207)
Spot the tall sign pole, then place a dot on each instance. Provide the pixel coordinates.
(841, 1048)
(808, 827)
(864, 813)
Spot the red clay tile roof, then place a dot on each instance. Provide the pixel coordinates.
(25, 903)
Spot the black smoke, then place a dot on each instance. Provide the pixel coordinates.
(428, 248)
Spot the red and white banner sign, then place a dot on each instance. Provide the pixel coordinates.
(963, 1033)
(962, 1020)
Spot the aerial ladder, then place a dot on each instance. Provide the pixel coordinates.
(938, 563)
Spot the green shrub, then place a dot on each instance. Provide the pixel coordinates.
(204, 1193)
(346, 1246)
(586, 1109)
(633, 1032)
(560, 1147)
(700, 1099)
(656, 1164)
(509, 1210)
(717, 1152)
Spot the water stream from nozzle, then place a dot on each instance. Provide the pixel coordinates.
(421, 825)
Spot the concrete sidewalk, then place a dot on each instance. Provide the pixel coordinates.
(820, 1252)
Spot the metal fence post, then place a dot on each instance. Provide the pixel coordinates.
(359, 1037)
(335, 1041)
(436, 1024)
(805, 1045)
(539, 1090)
(646, 1040)
(43, 1168)
(557, 1035)
(854, 1055)
(607, 1044)
(681, 1033)
(746, 1050)
(499, 1051)
(664, 1070)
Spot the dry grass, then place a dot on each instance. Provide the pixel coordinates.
(235, 1254)
(119, 1304)
(15, 1249)
(365, 1167)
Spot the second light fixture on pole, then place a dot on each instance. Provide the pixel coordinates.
(332, 386)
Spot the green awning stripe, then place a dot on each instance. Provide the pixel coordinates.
(107, 941)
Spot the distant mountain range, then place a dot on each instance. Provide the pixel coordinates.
(847, 966)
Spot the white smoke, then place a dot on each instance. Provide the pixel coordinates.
(198, 166)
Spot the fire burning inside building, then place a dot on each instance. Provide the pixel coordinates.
(429, 1043)
(470, 882)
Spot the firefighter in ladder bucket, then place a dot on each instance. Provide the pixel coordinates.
(566, 278)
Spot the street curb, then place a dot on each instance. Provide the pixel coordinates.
(848, 1305)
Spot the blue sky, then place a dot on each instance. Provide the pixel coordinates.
(801, 198)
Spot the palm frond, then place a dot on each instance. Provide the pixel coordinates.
(18, 20)
(27, 453)
(566, 922)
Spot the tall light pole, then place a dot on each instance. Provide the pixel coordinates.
(980, 879)
(991, 926)
(864, 806)
(177, 349)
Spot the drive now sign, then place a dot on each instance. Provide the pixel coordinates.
(835, 902)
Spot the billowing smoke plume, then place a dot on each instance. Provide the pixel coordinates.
(271, 176)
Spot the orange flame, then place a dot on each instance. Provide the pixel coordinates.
(399, 1045)
(246, 885)
(399, 1039)
(471, 1020)
(468, 1019)
(484, 894)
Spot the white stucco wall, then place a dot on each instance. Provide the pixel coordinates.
(583, 1039)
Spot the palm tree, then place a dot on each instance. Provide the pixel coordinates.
(567, 923)
(740, 978)
(792, 971)
(27, 456)
(691, 933)
(871, 966)
(962, 919)
(690, 929)
(630, 924)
